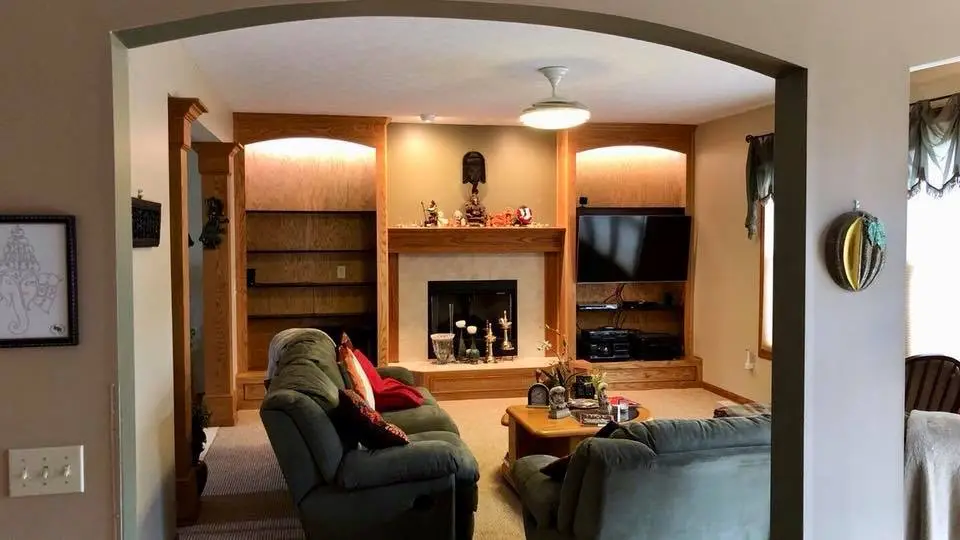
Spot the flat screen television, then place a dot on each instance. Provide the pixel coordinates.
(632, 245)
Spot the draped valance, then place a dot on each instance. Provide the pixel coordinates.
(759, 178)
(934, 158)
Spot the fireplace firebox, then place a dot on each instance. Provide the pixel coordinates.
(476, 302)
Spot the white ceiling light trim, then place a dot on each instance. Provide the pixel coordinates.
(555, 112)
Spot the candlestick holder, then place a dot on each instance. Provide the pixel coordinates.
(490, 338)
(505, 324)
(472, 353)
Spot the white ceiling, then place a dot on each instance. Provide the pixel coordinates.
(466, 72)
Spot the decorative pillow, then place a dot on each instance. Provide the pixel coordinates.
(357, 422)
(556, 470)
(355, 372)
(390, 394)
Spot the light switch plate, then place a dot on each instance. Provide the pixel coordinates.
(341, 272)
(46, 471)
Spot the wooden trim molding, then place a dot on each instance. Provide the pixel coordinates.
(181, 112)
(676, 137)
(736, 398)
(256, 127)
(476, 240)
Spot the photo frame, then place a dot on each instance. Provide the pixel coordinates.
(38, 281)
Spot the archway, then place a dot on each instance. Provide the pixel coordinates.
(791, 106)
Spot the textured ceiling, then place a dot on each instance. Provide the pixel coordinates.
(468, 72)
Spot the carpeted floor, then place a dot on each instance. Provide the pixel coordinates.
(246, 498)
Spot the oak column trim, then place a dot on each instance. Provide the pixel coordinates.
(239, 218)
(216, 160)
(181, 112)
(386, 290)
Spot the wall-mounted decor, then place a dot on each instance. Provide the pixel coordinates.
(856, 247)
(474, 170)
(38, 281)
(215, 225)
(146, 222)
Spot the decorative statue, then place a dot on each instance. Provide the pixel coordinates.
(475, 213)
(431, 214)
(474, 170)
(558, 403)
(458, 219)
(524, 215)
(602, 399)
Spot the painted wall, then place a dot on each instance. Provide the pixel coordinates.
(195, 225)
(726, 317)
(155, 73)
(424, 162)
(853, 355)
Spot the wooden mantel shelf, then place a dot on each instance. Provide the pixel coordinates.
(475, 240)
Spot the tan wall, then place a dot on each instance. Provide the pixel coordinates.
(424, 162)
(155, 73)
(726, 315)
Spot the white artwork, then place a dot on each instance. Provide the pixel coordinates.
(35, 303)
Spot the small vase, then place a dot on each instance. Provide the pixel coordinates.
(461, 346)
(442, 347)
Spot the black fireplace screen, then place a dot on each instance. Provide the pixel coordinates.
(475, 302)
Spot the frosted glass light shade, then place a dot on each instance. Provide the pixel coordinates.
(555, 115)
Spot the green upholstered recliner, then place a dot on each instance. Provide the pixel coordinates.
(656, 480)
(424, 490)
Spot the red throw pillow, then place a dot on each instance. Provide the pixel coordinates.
(396, 396)
(358, 422)
(388, 394)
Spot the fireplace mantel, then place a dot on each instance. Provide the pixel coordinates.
(475, 240)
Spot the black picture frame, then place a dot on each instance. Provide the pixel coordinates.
(23, 274)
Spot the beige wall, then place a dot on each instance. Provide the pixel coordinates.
(58, 151)
(424, 162)
(726, 315)
(154, 73)
(414, 271)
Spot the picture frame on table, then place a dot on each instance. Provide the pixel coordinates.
(38, 281)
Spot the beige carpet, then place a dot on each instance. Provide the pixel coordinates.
(245, 498)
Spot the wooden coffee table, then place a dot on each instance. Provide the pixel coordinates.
(531, 432)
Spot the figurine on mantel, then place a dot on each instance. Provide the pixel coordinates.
(431, 214)
(474, 211)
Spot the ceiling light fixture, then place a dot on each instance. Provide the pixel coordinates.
(555, 112)
(428, 118)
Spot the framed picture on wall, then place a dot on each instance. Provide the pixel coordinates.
(38, 281)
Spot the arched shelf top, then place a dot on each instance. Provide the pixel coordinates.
(311, 146)
(628, 151)
(675, 137)
(250, 128)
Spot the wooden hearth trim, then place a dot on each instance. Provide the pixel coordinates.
(476, 240)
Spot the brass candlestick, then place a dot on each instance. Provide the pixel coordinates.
(490, 338)
(505, 323)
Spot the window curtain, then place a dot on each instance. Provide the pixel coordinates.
(759, 178)
(934, 147)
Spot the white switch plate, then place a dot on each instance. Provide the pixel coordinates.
(341, 272)
(46, 471)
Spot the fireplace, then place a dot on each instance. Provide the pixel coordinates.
(477, 302)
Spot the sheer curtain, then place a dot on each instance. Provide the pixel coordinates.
(933, 217)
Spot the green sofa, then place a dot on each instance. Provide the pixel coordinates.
(424, 490)
(662, 479)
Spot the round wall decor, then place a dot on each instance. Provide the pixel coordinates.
(856, 246)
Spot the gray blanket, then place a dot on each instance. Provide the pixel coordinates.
(932, 476)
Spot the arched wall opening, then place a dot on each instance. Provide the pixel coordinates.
(791, 109)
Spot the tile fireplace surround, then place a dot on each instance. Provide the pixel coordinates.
(416, 270)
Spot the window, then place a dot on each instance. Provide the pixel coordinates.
(765, 348)
(933, 260)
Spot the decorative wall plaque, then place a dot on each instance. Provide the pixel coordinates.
(856, 246)
(146, 222)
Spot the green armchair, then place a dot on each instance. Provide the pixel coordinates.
(425, 490)
(669, 479)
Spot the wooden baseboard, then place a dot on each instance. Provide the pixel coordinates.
(737, 398)
(223, 409)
